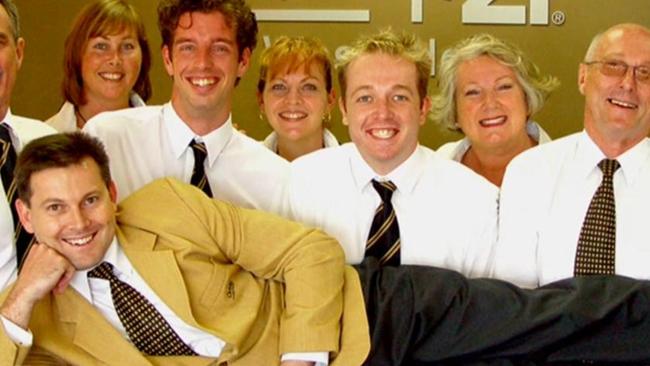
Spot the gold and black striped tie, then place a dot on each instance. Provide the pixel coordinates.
(596, 253)
(384, 239)
(147, 328)
(22, 238)
(199, 179)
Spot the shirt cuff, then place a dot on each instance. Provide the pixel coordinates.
(320, 358)
(18, 335)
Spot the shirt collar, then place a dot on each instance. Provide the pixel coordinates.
(9, 121)
(588, 155)
(115, 256)
(181, 135)
(405, 176)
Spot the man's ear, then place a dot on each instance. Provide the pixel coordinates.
(167, 60)
(582, 78)
(425, 108)
(112, 191)
(25, 215)
(344, 112)
(20, 51)
(244, 62)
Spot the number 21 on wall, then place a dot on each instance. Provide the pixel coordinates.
(481, 12)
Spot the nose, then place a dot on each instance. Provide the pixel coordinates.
(628, 82)
(384, 108)
(490, 99)
(78, 219)
(204, 58)
(293, 96)
(115, 58)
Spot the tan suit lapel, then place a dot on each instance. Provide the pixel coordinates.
(93, 333)
(160, 270)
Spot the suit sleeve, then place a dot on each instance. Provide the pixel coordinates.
(308, 263)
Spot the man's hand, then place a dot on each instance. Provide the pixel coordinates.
(44, 270)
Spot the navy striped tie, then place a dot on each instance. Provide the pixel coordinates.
(384, 239)
(199, 179)
(22, 238)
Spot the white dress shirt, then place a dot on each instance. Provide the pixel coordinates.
(146, 143)
(446, 213)
(65, 120)
(98, 293)
(22, 130)
(456, 150)
(329, 140)
(545, 196)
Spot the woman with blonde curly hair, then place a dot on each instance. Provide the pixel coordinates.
(489, 90)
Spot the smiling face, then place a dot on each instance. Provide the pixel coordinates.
(617, 109)
(295, 102)
(110, 65)
(72, 211)
(490, 104)
(383, 110)
(204, 63)
(11, 58)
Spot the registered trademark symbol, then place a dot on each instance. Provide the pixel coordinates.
(558, 17)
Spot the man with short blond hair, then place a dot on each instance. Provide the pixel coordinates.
(437, 212)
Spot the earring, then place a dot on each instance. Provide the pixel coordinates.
(261, 116)
(327, 118)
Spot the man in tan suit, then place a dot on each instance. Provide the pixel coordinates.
(230, 285)
(236, 285)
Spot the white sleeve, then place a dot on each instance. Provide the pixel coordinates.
(17, 334)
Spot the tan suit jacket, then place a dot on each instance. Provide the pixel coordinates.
(264, 285)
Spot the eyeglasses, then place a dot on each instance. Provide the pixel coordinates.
(619, 69)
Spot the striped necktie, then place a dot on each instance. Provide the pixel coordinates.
(384, 240)
(22, 238)
(199, 179)
(596, 251)
(147, 328)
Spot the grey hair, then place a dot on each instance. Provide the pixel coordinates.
(536, 86)
(14, 18)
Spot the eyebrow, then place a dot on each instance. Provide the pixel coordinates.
(215, 40)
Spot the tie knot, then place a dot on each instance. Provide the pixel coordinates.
(385, 189)
(200, 152)
(608, 167)
(103, 271)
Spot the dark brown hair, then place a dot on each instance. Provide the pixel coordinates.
(58, 151)
(238, 16)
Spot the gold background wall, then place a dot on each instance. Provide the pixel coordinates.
(557, 49)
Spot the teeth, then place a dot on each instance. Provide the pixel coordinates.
(492, 121)
(383, 133)
(623, 104)
(111, 76)
(293, 115)
(202, 82)
(79, 241)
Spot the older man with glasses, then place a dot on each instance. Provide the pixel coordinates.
(577, 206)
